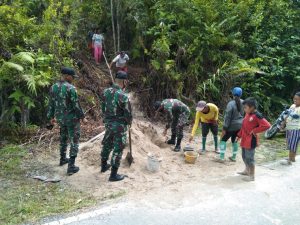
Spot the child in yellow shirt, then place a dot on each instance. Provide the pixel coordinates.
(208, 115)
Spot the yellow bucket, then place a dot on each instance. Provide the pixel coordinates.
(190, 157)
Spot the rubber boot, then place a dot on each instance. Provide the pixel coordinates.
(216, 144)
(202, 152)
(178, 145)
(235, 149)
(104, 166)
(245, 172)
(71, 166)
(222, 152)
(63, 159)
(172, 140)
(251, 174)
(114, 176)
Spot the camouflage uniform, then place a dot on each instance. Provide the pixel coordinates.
(116, 110)
(178, 115)
(65, 107)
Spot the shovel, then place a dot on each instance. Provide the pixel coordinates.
(129, 157)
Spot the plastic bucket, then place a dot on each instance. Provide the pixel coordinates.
(153, 164)
(187, 148)
(191, 157)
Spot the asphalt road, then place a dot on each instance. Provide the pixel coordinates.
(274, 198)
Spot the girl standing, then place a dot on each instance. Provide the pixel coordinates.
(97, 45)
(232, 124)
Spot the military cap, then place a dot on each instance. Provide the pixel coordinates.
(68, 71)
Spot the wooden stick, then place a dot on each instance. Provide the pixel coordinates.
(111, 76)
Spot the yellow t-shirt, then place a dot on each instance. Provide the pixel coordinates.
(213, 114)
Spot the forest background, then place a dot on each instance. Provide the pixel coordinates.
(189, 50)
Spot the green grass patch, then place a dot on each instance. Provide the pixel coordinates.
(23, 199)
(273, 149)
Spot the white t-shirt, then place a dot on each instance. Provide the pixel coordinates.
(121, 62)
(98, 39)
(293, 120)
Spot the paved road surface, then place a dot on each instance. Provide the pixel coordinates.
(274, 198)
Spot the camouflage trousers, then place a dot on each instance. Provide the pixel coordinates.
(69, 132)
(178, 123)
(114, 139)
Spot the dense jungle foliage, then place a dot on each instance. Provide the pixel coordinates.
(192, 50)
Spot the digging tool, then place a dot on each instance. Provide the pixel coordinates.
(129, 157)
(111, 76)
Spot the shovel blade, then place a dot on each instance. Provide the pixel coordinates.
(129, 159)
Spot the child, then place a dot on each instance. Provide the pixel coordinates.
(253, 124)
(207, 114)
(232, 124)
(293, 129)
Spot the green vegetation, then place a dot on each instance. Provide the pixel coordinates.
(193, 50)
(271, 150)
(23, 199)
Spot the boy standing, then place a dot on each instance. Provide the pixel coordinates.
(253, 124)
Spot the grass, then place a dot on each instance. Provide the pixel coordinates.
(25, 200)
(273, 149)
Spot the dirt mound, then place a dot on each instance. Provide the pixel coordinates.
(145, 139)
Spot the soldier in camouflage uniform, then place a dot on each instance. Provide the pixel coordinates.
(64, 108)
(116, 110)
(178, 114)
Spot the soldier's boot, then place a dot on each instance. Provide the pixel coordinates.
(63, 159)
(178, 145)
(114, 176)
(251, 174)
(71, 167)
(172, 140)
(104, 166)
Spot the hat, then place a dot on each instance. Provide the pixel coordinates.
(68, 71)
(200, 105)
(121, 75)
(237, 91)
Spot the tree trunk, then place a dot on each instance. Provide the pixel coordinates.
(113, 24)
(118, 24)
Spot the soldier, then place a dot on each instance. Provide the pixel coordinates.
(117, 115)
(178, 114)
(64, 108)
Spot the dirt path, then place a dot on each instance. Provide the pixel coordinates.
(146, 137)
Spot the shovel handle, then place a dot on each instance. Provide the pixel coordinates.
(129, 134)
